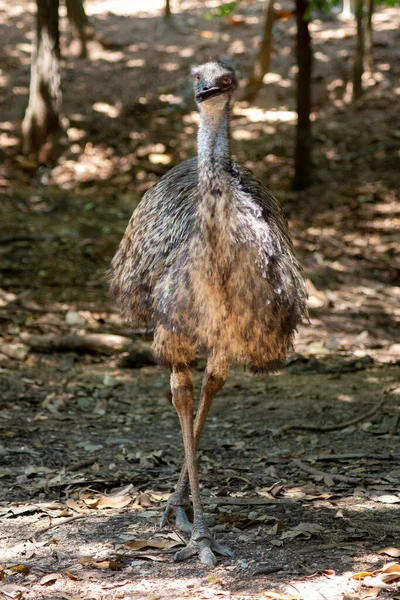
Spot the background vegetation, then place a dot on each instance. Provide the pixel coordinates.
(88, 123)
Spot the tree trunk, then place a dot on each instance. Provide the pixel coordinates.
(302, 159)
(42, 122)
(263, 59)
(347, 11)
(167, 11)
(358, 67)
(368, 58)
(79, 24)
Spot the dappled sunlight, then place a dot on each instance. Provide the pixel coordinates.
(111, 111)
(256, 115)
(300, 469)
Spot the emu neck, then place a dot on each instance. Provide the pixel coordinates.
(213, 148)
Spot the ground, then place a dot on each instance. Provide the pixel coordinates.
(300, 470)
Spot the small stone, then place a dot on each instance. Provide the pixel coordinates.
(17, 351)
(83, 403)
(75, 319)
(110, 381)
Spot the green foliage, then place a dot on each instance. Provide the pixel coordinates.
(388, 3)
(222, 10)
(325, 5)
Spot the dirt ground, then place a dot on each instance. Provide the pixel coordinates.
(300, 471)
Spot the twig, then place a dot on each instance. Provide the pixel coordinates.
(268, 570)
(334, 476)
(338, 457)
(19, 451)
(91, 343)
(81, 465)
(42, 531)
(29, 237)
(308, 427)
(243, 501)
(370, 150)
(19, 297)
(328, 546)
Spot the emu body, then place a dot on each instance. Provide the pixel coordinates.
(207, 261)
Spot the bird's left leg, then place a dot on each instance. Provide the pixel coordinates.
(201, 541)
(214, 378)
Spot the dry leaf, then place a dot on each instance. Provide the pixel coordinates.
(372, 593)
(12, 590)
(106, 501)
(75, 506)
(159, 543)
(390, 551)
(361, 575)
(144, 500)
(136, 544)
(393, 567)
(102, 564)
(113, 501)
(24, 569)
(50, 579)
(274, 596)
(306, 529)
(387, 499)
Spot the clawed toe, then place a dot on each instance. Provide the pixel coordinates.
(176, 507)
(205, 549)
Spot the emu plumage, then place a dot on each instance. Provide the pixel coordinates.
(207, 261)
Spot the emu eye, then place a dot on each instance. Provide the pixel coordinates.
(197, 78)
(226, 80)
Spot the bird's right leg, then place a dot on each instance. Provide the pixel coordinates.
(213, 381)
(201, 541)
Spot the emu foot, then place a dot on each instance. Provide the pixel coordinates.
(204, 547)
(178, 505)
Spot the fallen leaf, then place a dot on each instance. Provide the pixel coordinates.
(102, 564)
(24, 569)
(390, 551)
(306, 529)
(361, 575)
(12, 590)
(113, 501)
(387, 499)
(159, 543)
(75, 506)
(372, 593)
(144, 500)
(106, 501)
(50, 579)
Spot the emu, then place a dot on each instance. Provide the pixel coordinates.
(208, 262)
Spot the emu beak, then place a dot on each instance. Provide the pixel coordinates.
(209, 93)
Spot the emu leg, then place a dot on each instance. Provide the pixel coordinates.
(201, 541)
(213, 381)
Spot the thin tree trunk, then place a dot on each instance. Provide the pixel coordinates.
(347, 11)
(358, 68)
(302, 159)
(368, 58)
(263, 59)
(42, 122)
(79, 24)
(167, 11)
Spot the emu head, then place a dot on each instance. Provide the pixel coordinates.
(214, 84)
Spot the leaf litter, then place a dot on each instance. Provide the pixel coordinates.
(94, 430)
